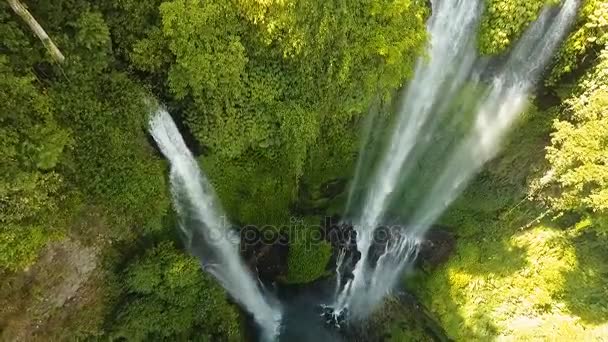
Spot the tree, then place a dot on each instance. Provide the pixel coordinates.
(579, 149)
(585, 41)
(169, 297)
(504, 21)
(31, 145)
(258, 81)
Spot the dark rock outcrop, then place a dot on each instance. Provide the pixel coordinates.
(343, 238)
(265, 253)
(437, 247)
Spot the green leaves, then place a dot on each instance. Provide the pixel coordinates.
(31, 145)
(92, 31)
(505, 20)
(308, 254)
(259, 80)
(170, 297)
(589, 36)
(204, 38)
(111, 161)
(579, 148)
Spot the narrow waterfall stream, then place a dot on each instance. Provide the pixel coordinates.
(208, 235)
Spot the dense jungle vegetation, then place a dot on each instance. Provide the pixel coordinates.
(274, 94)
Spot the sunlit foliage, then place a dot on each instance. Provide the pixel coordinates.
(504, 21)
(515, 276)
(274, 93)
(73, 135)
(519, 285)
(579, 149)
(262, 80)
(589, 36)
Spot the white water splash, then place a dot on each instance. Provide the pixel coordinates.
(436, 83)
(207, 234)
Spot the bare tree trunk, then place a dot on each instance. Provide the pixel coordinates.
(22, 11)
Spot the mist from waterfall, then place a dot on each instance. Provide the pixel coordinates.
(208, 235)
(456, 111)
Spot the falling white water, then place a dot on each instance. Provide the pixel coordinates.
(366, 135)
(451, 53)
(451, 29)
(498, 111)
(435, 84)
(195, 202)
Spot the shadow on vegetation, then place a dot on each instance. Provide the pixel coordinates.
(512, 269)
(454, 291)
(493, 274)
(586, 285)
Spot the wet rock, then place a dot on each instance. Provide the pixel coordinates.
(333, 188)
(334, 319)
(265, 253)
(343, 238)
(383, 238)
(436, 248)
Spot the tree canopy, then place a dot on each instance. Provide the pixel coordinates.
(579, 149)
(270, 96)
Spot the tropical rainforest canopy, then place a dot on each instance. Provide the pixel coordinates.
(273, 95)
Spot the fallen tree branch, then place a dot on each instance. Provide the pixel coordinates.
(22, 11)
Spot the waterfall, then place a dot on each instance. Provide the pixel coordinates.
(208, 235)
(451, 65)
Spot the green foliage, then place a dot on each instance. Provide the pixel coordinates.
(129, 21)
(204, 62)
(253, 190)
(513, 276)
(308, 254)
(16, 46)
(335, 156)
(396, 321)
(517, 285)
(589, 36)
(77, 28)
(111, 162)
(274, 91)
(505, 20)
(31, 144)
(268, 92)
(170, 298)
(93, 37)
(70, 134)
(20, 245)
(260, 85)
(579, 147)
